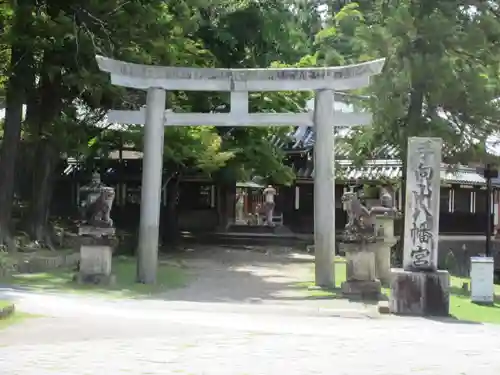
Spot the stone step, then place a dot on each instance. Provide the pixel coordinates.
(243, 228)
(249, 239)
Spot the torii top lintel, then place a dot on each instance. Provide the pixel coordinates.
(340, 78)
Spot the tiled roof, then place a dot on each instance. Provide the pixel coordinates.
(386, 152)
(385, 163)
(378, 169)
(465, 176)
(392, 170)
(303, 140)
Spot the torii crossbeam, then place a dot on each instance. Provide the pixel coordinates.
(156, 80)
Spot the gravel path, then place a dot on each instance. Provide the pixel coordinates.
(256, 275)
(224, 335)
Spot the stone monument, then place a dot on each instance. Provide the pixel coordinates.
(97, 233)
(385, 213)
(420, 288)
(359, 245)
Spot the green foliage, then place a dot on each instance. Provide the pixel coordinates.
(6, 263)
(5, 24)
(196, 147)
(70, 96)
(440, 78)
(337, 43)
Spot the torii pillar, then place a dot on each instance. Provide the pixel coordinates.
(324, 81)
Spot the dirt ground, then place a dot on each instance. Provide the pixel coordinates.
(253, 274)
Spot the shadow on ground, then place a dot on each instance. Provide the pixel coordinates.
(255, 275)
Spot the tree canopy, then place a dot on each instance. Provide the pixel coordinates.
(440, 79)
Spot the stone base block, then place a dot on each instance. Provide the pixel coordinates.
(383, 307)
(95, 279)
(383, 262)
(360, 263)
(97, 232)
(361, 290)
(420, 293)
(95, 260)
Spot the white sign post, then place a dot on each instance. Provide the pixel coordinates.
(239, 82)
(482, 280)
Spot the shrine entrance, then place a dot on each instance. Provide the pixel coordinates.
(239, 82)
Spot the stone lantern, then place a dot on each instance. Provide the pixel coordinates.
(384, 216)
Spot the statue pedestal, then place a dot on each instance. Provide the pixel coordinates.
(420, 293)
(95, 265)
(96, 252)
(96, 232)
(384, 225)
(362, 282)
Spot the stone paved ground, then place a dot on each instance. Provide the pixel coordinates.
(92, 336)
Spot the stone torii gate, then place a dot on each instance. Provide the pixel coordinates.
(239, 82)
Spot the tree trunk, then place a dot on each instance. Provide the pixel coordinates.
(8, 155)
(17, 86)
(413, 123)
(226, 205)
(45, 165)
(221, 207)
(42, 117)
(171, 231)
(399, 247)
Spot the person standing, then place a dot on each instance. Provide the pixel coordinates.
(269, 194)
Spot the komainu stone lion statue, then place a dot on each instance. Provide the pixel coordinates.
(96, 207)
(359, 225)
(97, 213)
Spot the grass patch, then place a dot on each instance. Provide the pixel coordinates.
(40, 253)
(340, 276)
(16, 317)
(461, 306)
(168, 277)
